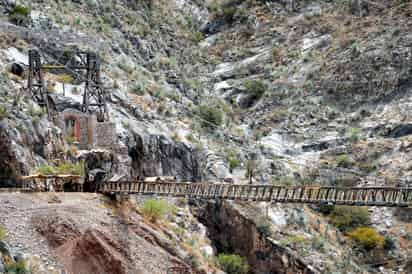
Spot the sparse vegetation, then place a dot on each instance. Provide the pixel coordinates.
(16, 267)
(233, 159)
(3, 233)
(347, 218)
(155, 210)
(3, 113)
(233, 264)
(20, 15)
(276, 54)
(211, 115)
(296, 241)
(367, 238)
(70, 168)
(46, 170)
(197, 36)
(354, 135)
(138, 89)
(66, 168)
(343, 161)
(255, 89)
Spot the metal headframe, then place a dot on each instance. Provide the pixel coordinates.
(83, 64)
(35, 82)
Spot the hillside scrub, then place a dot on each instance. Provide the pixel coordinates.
(367, 238)
(211, 115)
(233, 264)
(347, 218)
(20, 15)
(66, 168)
(155, 210)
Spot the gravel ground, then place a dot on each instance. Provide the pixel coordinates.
(84, 233)
(18, 210)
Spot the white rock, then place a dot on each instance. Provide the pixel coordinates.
(14, 55)
(207, 250)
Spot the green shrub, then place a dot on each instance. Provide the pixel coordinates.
(66, 168)
(154, 209)
(3, 233)
(16, 267)
(211, 115)
(400, 2)
(233, 163)
(255, 88)
(276, 54)
(46, 170)
(20, 15)
(229, 14)
(354, 135)
(296, 241)
(390, 243)
(233, 264)
(233, 159)
(367, 238)
(138, 89)
(197, 36)
(343, 161)
(71, 169)
(347, 218)
(3, 113)
(318, 243)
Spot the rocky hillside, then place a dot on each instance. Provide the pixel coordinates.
(276, 92)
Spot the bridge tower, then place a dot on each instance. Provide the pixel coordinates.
(85, 65)
(35, 83)
(94, 96)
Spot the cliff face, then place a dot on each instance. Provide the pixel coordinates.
(233, 232)
(156, 155)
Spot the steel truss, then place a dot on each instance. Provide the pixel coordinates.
(84, 65)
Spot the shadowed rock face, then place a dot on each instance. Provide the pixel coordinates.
(10, 167)
(401, 131)
(155, 155)
(232, 232)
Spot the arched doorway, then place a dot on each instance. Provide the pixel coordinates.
(72, 126)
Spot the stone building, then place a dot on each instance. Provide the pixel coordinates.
(85, 131)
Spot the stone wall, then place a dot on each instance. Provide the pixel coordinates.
(88, 132)
(105, 135)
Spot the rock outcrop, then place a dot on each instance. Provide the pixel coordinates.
(232, 232)
(156, 155)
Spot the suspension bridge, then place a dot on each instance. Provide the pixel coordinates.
(352, 196)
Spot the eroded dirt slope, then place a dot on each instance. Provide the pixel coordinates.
(85, 233)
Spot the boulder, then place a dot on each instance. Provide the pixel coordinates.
(400, 131)
(17, 69)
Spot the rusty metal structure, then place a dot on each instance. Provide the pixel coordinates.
(352, 196)
(84, 65)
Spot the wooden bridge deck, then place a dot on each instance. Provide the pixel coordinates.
(359, 196)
